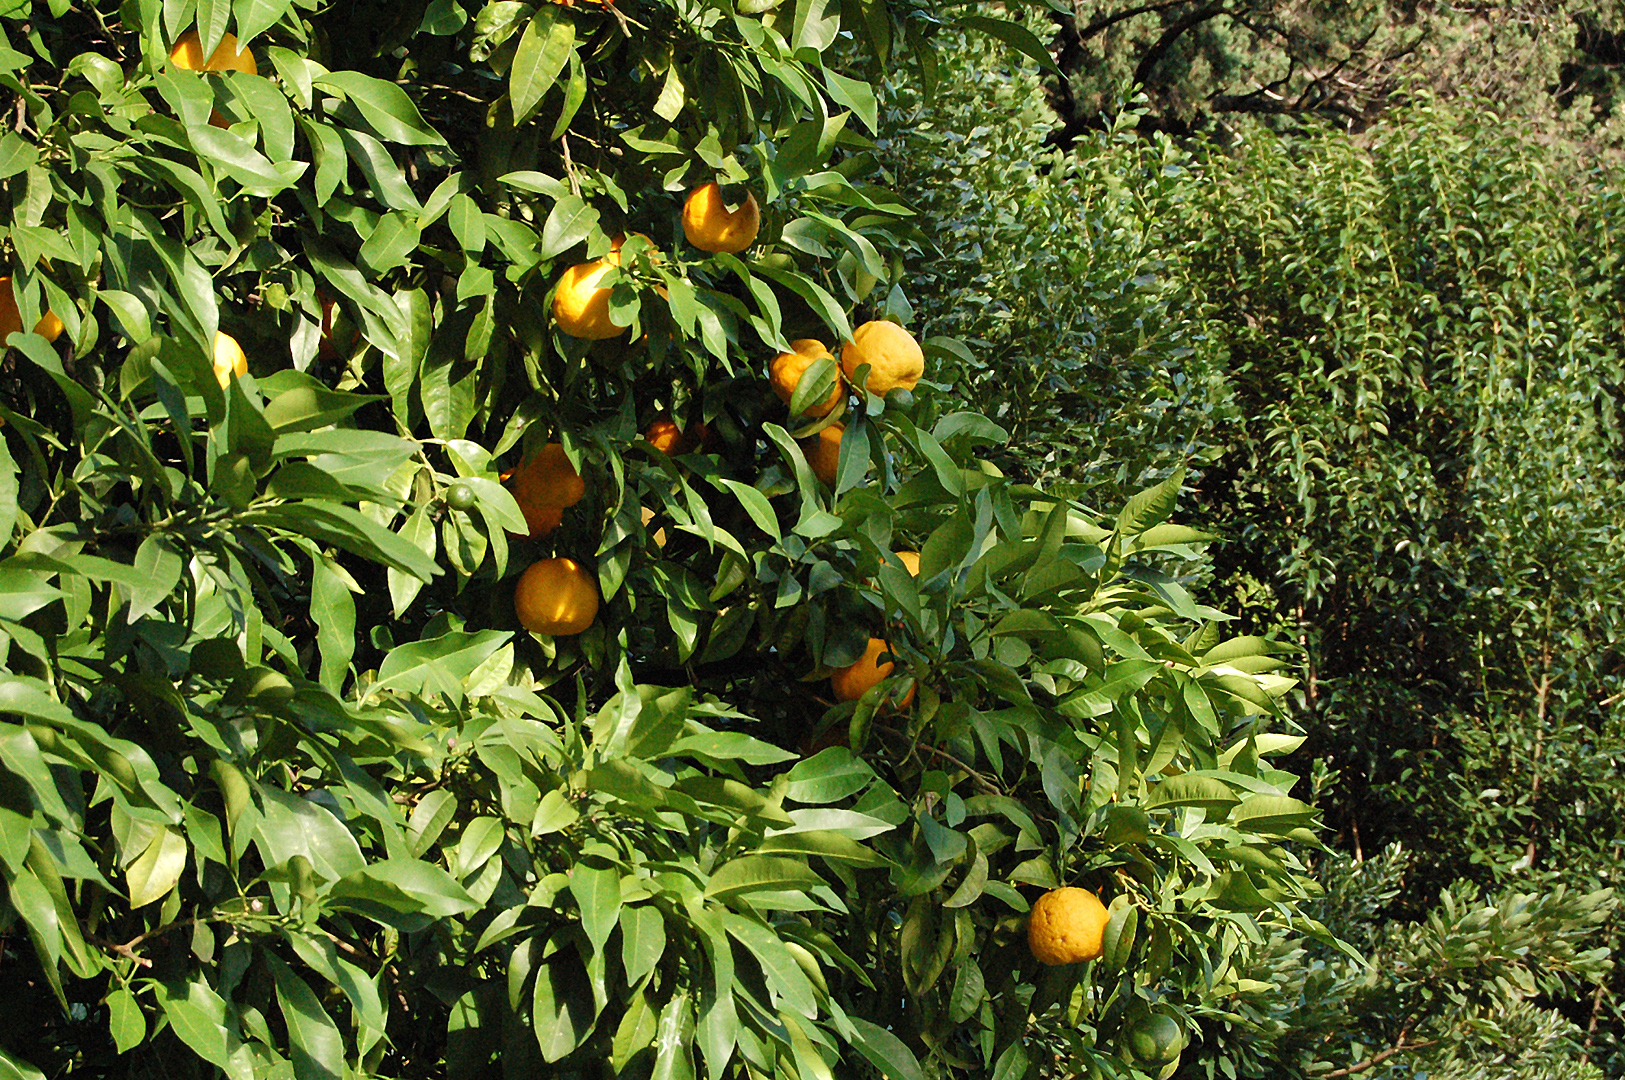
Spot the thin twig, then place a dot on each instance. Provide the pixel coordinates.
(1400, 1046)
(127, 950)
(980, 780)
(569, 166)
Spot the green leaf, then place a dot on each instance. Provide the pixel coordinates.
(756, 873)
(1015, 35)
(674, 1037)
(254, 17)
(1117, 943)
(563, 1009)
(296, 826)
(318, 1047)
(390, 243)
(828, 776)
(344, 527)
(1192, 789)
(598, 897)
(332, 608)
(729, 746)
(125, 1021)
(299, 402)
(673, 94)
(643, 940)
(554, 813)
(403, 885)
(569, 223)
(856, 95)
(1272, 813)
(1149, 507)
(813, 29)
(198, 1016)
(1012, 1062)
(17, 154)
(385, 106)
(885, 1051)
(543, 51)
(236, 156)
(160, 567)
(438, 665)
(156, 870)
(756, 505)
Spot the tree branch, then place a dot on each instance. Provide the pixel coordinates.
(1399, 1047)
(1099, 25)
(1148, 62)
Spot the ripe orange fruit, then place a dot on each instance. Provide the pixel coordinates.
(188, 54)
(581, 305)
(49, 326)
(555, 597)
(544, 486)
(659, 537)
(824, 452)
(1067, 925)
(710, 226)
(664, 435)
(895, 359)
(787, 368)
(854, 680)
(542, 519)
(229, 359)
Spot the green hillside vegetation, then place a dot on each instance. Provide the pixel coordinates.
(1395, 361)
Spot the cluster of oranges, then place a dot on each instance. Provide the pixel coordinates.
(556, 596)
(895, 361)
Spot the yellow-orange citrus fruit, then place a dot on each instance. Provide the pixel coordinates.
(824, 452)
(49, 326)
(229, 359)
(787, 368)
(1067, 925)
(854, 680)
(544, 486)
(664, 435)
(541, 519)
(660, 534)
(910, 561)
(710, 227)
(554, 597)
(188, 54)
(581, 305)
(894, 357)
(550, 478)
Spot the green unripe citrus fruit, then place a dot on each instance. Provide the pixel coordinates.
(1156, 1040)
(460, 496)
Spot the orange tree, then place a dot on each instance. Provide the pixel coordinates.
(288, 786)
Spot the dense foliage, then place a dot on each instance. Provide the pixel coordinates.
(1218, 66)
(1398, 362)
(285, 790)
